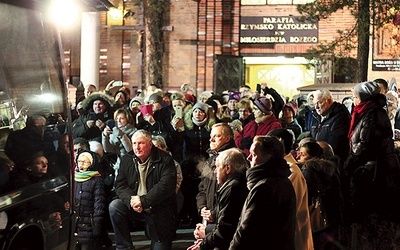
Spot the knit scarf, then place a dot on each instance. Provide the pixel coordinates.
(128, 129)
(84, 176)
(199, 123)
(358, 112)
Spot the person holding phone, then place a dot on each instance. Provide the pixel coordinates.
(117, 133)
(152, 115)
(97, 109)
(175, 124)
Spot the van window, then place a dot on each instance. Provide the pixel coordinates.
(35, 144)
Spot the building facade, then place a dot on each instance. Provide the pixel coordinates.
(219, 45)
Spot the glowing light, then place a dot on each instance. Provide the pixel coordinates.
(43, 98)
(115, 13)
(48, 97)
(64, 12)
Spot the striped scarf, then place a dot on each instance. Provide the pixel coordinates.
(84, 176)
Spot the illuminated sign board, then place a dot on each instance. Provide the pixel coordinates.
(386, 65)
(277, 29)
(386, 49)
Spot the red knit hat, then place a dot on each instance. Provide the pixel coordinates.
(293, 107)
(189, 98)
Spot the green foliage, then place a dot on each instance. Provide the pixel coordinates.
(322, 9)
(365, 12)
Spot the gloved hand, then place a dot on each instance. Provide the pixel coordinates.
(236, 125)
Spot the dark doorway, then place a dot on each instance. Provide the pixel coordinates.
(229, 73)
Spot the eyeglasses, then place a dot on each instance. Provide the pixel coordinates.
(244, 111)
(83, 162)
(319, 103)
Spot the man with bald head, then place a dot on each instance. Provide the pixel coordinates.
(89, 89)
(333, 124)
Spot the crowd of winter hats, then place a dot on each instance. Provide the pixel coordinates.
(155, 95)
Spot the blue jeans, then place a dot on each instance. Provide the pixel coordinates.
(120, 216)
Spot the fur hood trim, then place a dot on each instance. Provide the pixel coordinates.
(322, 166)
(210, 119)
(87, 103)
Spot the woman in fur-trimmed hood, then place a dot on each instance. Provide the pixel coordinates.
(197, 128)
(97, 109)
(198, 123)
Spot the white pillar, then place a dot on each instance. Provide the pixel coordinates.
(90, 48)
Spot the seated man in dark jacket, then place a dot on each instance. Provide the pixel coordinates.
(221, 138)
(230, 174)
(145, 186)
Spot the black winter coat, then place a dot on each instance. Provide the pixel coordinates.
(231, 197)
(322, 176)
(372, 141)
(158, 127)
(334, 129)
(90, 209)
(173, 138)
(207, 196)
(307, 118)
(79, 127)
(269, 213)
(160, 200)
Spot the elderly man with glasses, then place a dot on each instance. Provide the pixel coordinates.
(333, 123)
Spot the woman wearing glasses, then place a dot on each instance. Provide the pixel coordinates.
(89, 201)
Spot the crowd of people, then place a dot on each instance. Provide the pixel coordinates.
(245, 169)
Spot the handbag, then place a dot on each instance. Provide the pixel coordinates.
(365, 175)
(318, 219)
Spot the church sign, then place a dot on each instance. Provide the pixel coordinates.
(277, 29)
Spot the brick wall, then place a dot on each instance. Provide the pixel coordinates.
(182, 44)
(200, 33)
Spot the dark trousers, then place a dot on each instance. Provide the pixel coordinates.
(121, 216)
